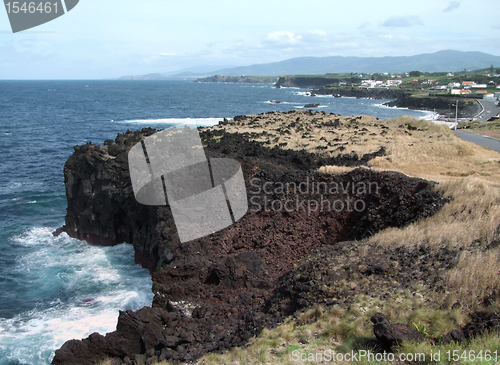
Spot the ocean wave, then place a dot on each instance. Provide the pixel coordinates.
(35, 236)
(199, 122)
(382, 105)
(302, 93)
(70, 289)
(427, 114)
(303, 107)
(279, 102)
(324, 96)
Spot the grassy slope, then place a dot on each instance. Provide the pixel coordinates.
(468, 174)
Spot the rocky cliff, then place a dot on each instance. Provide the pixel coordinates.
(218, 291)
(307, 81)
(445, 105)
(356, 92)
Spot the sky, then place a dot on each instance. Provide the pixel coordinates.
(112, 38)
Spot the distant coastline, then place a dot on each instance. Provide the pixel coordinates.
(240, 79)
(326, 85)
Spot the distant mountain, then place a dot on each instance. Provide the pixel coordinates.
(197, 70)
(431, 62)
(154, 76)
(186, 73)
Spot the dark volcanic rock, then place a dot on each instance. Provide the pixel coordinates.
(390, 335)
(218, 291)
(135, 332)
(481, 323)
(467, 108)
(454, 336)
(354, 91)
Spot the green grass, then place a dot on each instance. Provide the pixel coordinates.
(484, 126)
(318, 331)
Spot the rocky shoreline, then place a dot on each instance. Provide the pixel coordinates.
(217, 292)
(351, 92)
(321, 85)
(467, 108)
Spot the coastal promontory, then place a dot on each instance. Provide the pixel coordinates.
(219, 291)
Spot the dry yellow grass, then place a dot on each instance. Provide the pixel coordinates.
(469, 175)
(476, 276)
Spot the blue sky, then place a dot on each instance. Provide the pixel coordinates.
(111, 38)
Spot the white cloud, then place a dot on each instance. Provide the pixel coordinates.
(452, 6)
(283, 38)
(403, 21)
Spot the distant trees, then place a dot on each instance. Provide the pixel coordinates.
(415, 73)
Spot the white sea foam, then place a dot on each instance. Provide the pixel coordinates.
(427, 115)
(303, 107)
(302, 93)
(34, 237)
(200, 122)
(382, 105)
(280, 102)
(85, 286)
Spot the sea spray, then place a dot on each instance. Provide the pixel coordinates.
(71, 289)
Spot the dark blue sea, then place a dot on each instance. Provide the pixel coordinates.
(53, 289)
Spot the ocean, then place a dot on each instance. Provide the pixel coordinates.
(53, 289)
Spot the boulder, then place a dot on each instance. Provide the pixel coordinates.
(390, 335)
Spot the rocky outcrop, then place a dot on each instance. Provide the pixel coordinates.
(218, 291)
(390, 335)
(467, 108)
(101, 208)
(356, 92)
(482, 322)
(309, 82)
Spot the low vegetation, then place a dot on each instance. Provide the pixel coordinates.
(480, 126)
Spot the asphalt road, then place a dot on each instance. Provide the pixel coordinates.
(478, 139)
(490, 110)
